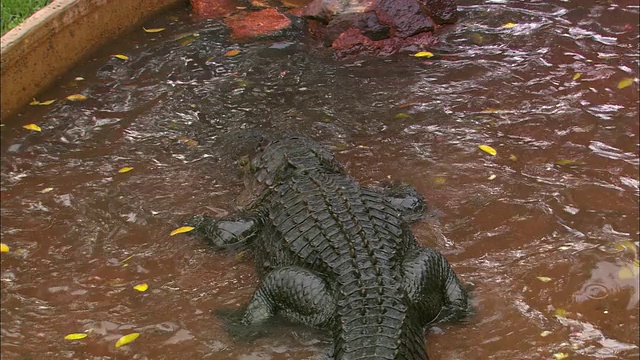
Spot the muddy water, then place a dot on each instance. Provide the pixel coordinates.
(549, 248)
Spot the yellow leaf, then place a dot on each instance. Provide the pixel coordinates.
(186, 41)
(127, 339)
(181, 230)
(44, 191)
(121, 57)
(33, 127)
(561, 313)
(141, 287)
(76, 97)
(545, 333)
(488, 149)
(565, 162)
(43, 103)
(576, 76)
(75, 336)
(233, 52)
(125, 169)
(401, 116)
(491, 177)
(543, 278)
(508, 25)
(625, 82)
(513, 157)
(4, 247)
(423, 54)
(439, 180)
(628, 272)
(560, 356)
(153, 30)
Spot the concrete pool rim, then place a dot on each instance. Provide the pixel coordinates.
(34, 54)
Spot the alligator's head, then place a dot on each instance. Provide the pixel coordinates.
(280, 157)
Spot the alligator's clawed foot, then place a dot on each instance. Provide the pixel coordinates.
(238, 330)
(223, 233)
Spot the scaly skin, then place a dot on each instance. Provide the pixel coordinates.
(335, 255)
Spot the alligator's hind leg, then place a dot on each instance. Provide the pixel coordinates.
(298, 294)
(433, 287)
(406, 199)
(225, 232)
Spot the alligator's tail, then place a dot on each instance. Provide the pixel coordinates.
(378, 332)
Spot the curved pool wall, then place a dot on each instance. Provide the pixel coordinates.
(46, 45)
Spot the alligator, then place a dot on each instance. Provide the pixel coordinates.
(339, 256)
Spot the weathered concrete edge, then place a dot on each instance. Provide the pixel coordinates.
(50, 42)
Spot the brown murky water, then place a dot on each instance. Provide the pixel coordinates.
(81, 235)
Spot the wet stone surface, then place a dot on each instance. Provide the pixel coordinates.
(546, 230)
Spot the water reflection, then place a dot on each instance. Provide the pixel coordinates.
(557, 201)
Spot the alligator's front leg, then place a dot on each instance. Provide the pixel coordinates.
(433, 287)
(298, 294)
(225, 232)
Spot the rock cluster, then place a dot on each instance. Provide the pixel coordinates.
(350, 27)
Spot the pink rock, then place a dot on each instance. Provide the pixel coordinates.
(252, 24)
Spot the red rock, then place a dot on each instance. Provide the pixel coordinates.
(366, 22)
(353, 42)
(251, 24)
(404, 16)
(441, 11)
(213, 9)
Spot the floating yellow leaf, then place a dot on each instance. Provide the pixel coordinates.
(439, 180)
(561, 313)
(153, 30)
(488, 149)
(401, 116)
(43, 103)
(76, 97)
(629, 271)
(32, 127)
(121, 57)
(625, 82)
(127, 339)
(4, 248)
(565, 162)
(181, 230)
(423, 54)
(75, 336)
(513, 157)
(576, 76)
(125, 169)
(545, 333)
(543, 278)
(491, 177)
(560, 356)
(233, 52)
(141, 287)
(508, 25)
(44, 191)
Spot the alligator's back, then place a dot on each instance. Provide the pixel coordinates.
(336, 255)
